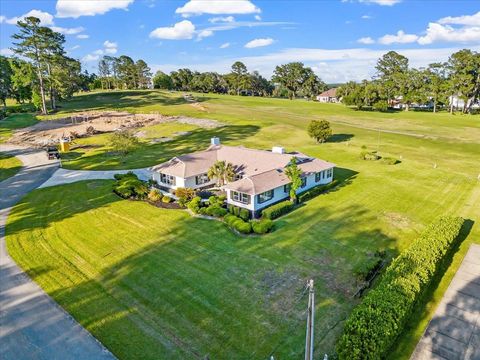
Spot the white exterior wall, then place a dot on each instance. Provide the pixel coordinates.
(233, 202)
(190, 183)
(179, 182)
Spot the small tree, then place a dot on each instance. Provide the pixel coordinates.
(319, 130)
(294, 173)
(123, 142)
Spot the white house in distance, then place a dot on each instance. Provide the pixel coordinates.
(329, 96)
(260, 178)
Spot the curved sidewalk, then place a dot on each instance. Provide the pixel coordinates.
(32, 325)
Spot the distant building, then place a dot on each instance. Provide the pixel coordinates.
(329, 96)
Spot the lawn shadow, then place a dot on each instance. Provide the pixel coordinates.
(149, 154)
(336, 138)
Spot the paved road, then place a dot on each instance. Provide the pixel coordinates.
(454, 331)
(32, 325)
(65, 176)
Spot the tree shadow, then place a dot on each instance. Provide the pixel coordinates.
(149, 154)
(336, 138)
(197, 277)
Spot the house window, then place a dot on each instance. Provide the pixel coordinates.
(318, 176)
(286, 188)
(330, 173)
(263, 197)
(304, 182)
(240, 197)
(167, 179)
(201, 179)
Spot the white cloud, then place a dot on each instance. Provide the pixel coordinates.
(83, 36)
(67, 31)
(180, 31)
(77, 8)
(110, 47)
(222, 19)
(6, 52)
(2, 19)
(401, 38)
(438, 32)
(259, 43)
(472, 20)
(366, 40)
(338, 65)
(204, 33)
(75, 47)
(90, 58)
(225, 45)
(366, 17)
(258, 17)
(217, 7)
(381, 2)
(45, 18)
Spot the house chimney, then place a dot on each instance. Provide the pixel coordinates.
(215, 141)
(278, 150)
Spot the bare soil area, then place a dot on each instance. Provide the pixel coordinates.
(88, 123)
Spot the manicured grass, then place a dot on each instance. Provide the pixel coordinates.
(150, 281)
(15, 121)
(9, 166)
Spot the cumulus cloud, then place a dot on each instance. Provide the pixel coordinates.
(258, 17)
(366, 17)
(109, 48)
(438, 32)
(67, 31)
(400, 37)
(46, 19)
(2, 19)
(180, 31)
(259, 43)
(366, 40)
(217, 7)
(83, 36)
(91, 57)
(222, 19)
(204, 33)
(77, 8)
(225, 45)
(6, 52)
(472, 20)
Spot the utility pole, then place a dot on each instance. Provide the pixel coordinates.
(310, 318)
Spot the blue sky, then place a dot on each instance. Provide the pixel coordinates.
(340, 40)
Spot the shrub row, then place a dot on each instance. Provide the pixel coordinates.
(375, 324)
(128, 185)
(278, 210)
(238, 224)
(242, 213)
(317, 190)
(262, 226)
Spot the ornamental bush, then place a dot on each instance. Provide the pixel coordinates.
(216, 211)
(317, 190)
(262, 226)
(154, 195)
(128, 185)
(238, 224)
(374, 325)
(166, 199)
(278, 210)
(195, 204)
(244, 214)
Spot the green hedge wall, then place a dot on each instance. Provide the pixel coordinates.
(278, 210)
(375, 324)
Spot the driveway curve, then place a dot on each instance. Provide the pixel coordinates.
(32, 325)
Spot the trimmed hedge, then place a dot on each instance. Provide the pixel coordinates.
(216, 211)
(195, 204)
(262, 226)
(167, 199)
(238, 224)
(374, 325)
(278, 210)
(244, 214)
(128, 185)
(317, 190)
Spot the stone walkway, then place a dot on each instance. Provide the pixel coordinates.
(454, 331)
(32, 325)
(65, 176)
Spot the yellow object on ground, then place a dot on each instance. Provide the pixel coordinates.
(64, 146)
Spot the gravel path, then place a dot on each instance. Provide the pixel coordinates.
(32, 325)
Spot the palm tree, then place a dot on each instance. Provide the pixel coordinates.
(222, 171)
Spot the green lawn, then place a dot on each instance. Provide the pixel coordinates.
(9, 166)
(15, 121)
(150, 281)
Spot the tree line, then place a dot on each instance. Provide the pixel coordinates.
(42, 70)
(290, 80)
(431, 87)
(122, 73)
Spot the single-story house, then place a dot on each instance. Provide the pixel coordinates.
(260, 178)
(329, 96)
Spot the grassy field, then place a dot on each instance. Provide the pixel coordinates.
(9, 166)
(15, 121)
(174, 276)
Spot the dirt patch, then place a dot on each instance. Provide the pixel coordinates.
(86, 124)
(397, 220)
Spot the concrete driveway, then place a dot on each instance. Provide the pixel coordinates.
(32, 325)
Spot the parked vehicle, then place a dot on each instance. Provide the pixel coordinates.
(52, 153)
